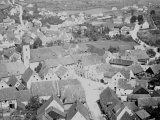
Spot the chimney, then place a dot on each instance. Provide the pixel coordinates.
(58, 90)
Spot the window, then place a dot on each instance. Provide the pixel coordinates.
(12, 106)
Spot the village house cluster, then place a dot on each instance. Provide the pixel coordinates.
(59, 62)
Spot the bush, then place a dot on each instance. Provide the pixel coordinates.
(133, 19)
(37, 43)
(151, 53)
(113, 49)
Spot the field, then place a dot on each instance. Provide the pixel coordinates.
(75, 5)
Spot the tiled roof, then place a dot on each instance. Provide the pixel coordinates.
(155, 68)
(122, 83)
(44, 70)
(142, 114)
(27, 75)
(125, 73)
(148, 101)
(131, 105)
(12, 81)
(121, 62)
(8, 94)
(135, 68)
(23, 95)
(78, 107)
(108, 96)
(136, 96)
(126, 116)
(11, 69)
(9, 52)
(44, 88)
(61, 71)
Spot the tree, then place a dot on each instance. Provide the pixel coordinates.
(32, 107)
(140, 19)
(38, 68)
(113, 49)
(152, 12)
(151, 53)
(37, 43)
(133, 19)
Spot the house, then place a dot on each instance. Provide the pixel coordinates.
(12, 55)
(22, 97)
(65, 37)
(87, 63)
(108, 56)
(121, 62)
(52, 109)
(78, 112)
(136, 69)
(28, 77)
(142, 114)
(8, 98)
(70, 90)
(62, 73)
(132, 106)
(12, 82)
(122, 74)
(47, 73)
(123, 89)
(140, 90)
(43, 89)
(145, 25)
(125, 30)
(154, 69)
(148, 102)
(112, 106)
(11, 69)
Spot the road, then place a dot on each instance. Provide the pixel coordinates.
(134, 36)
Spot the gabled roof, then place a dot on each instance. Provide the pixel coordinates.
(125, 73)
(44, 88)
(142, 114)
(43, 109)
(135, 68)
(61, 71)
(123, 84)
(27, 75)
(44, 70)
(53, 113)
(9, 52)
(155, 68)
(11, 69)
(121, 62)
(155, 94)
(136, 96)
(78, 107)
(8, 94)
(21, 86)
(23, 95)
(12, 81)
(108, 96)
(126, 116)
(140, 54)
(131, 105)
(140, 90)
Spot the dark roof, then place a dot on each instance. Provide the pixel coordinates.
(43, 71)
(136, 96)
(155, 68)
(53, 113)
(12, 81)
(140, 90)
(108, 96)
(42, 109)
(121, 62)
(155, 94)
(27, 75)
(78, 107)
